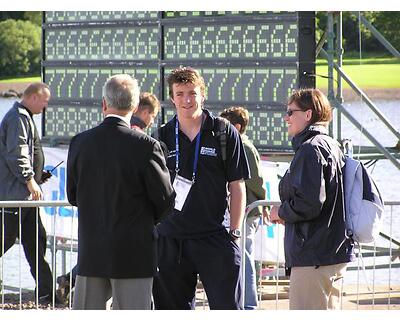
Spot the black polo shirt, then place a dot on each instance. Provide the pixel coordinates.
(204, 208)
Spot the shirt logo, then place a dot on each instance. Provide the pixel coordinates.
(208, 151)
(171, 154)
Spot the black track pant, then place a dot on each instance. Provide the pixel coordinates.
(215, 258)
(28, 240)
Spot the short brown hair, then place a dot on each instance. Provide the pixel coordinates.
(237, 114)
(34, 88)
(185, 75)
(148, 101)
(314, 100)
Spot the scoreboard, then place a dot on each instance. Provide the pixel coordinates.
(254, 59)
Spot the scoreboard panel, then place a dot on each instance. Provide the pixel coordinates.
(245, 41)
(246, 85)
(105, 43)
(92, 16)
(87, 83)
(247, 58)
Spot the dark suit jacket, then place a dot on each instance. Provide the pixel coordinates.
(118, 179)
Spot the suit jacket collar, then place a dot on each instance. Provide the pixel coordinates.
(115, 120)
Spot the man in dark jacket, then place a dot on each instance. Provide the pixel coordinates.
(21, 172)
(118, 179)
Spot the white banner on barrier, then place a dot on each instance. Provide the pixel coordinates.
(66, 222)
(269, 243)
(269, 239)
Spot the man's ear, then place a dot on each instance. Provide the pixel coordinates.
(238, 127)
(103, 105)
(203, 98)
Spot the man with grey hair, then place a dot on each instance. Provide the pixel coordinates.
(21, 173)
(120, 194)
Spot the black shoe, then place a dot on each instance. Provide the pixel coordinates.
(63, 289)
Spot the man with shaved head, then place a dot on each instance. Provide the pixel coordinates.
(21, 173)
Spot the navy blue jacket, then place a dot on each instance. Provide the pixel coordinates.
(312, 202)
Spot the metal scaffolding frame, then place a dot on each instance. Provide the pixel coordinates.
(335, 50)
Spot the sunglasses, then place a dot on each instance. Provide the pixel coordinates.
(289, 112)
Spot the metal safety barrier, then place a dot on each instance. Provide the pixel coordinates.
(272, 285)
(54, 243)
(364, 294)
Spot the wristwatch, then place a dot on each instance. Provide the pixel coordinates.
(235, 233)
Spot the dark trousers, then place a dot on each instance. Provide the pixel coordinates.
(74, 272)
(28, 240)
(215, 258)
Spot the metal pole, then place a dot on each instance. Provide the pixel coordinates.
(359, 126)
(331, 52)
(378, 35)
(363, 96)
(339, 55)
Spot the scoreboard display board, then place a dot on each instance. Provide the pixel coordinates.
(254, 59)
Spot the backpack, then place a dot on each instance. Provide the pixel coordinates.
(363, 202)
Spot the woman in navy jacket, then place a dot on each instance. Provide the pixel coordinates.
(316, 249)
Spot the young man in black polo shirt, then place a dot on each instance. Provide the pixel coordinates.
(192, 240)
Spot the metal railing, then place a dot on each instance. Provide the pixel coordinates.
(52, 243)
(272, 284)
(363, 252)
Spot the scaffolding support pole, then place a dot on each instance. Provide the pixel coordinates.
(378, 35)
(339, 55)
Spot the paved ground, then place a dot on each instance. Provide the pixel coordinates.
(382, 299)
(364, 300)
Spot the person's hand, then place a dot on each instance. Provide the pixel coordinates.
(266, 216)
(274, 217)
(34, 189)
(46, 175)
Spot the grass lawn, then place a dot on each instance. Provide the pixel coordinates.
(22, 79)
(375, 73)
(366, 76)
(369, 73)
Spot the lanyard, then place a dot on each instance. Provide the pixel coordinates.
(196, 152)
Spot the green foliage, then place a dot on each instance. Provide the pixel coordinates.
(20, 48)
(385, 21)
(16, 15)
(34, 16)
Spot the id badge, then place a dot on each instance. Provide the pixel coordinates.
(182, 187)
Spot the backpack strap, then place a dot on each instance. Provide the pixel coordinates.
(159, 135)
(219, 129)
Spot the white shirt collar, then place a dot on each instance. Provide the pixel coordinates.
(126, 119)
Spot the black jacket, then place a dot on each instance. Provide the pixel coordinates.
(118, 179)
(312, 202)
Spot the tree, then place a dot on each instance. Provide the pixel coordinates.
(5, 15)
(20, 48)
(351, 32)
(387, 22)
(34, 16)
